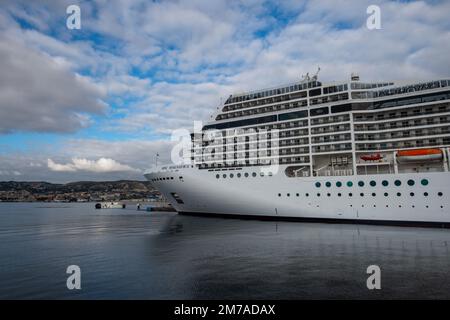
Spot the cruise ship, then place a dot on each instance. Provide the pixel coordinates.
(350, 151)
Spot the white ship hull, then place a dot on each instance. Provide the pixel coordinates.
(279, 196)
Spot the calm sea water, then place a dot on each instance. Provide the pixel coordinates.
(125, 254)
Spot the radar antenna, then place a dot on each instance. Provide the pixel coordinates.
(306, 77)
(314, 77)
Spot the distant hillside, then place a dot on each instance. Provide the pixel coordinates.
(76, 191)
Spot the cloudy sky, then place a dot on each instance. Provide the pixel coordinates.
(98, 103)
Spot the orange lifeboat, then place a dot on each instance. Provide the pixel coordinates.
(372, 157)
(419, 155)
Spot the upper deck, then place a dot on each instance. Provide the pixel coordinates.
(318, 126)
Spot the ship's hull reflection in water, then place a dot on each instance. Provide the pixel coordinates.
(130, 254)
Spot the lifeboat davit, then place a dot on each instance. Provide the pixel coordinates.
(419, 155)
(372, 157)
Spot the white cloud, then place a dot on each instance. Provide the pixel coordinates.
(81, 164)
(39, 94)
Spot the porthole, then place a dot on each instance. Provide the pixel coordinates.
(398, 194)
(171, 178)
(288, 194)
(239, 175)
(339, 194)
(270, 173)
(385, 183)
(318, 184)
(361, 194)
(424, 182)
(231, 175)
(440, 194)
(307, 194)
(374, 194)
(246, 174)
(398, 183)
(412, 194)
(279, 194)
(425, 194)
(217, 176)
(328, 184)
(338, 184)
(386, 194)
(318, 194)
(349, 184)
(328, 194)
(262, 174)
(361, 183)
(350, 194)
(373, 183)
(224, 176)
(410, 182)
(298, 195)
(254, 174)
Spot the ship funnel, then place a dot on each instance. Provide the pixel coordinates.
(355, 76)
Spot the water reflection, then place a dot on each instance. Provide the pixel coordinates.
(131, 254)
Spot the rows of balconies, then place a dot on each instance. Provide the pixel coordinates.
(403, 113)
(402, 134)
(254, 130)
(428, 142)
(332, 148)
(251, 152)
(292, 133)
(328, 99)
(403, 124)
(331, 138)
(220, 163)
(293, 142)
(256, 111)
(330, 129)
(330, 119)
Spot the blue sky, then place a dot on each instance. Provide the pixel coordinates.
(137, 70)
